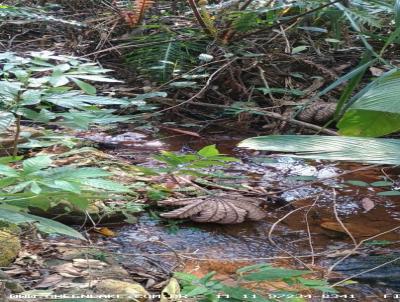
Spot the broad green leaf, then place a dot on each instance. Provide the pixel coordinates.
(8, 181)
(73, 173)
(94, 78)
(75, 99)
(43, 116)
(358, 183)
(8, 90)
(356, 149)
(242, 294)
(299, 49)
(86, 87)
(185, 277)
(31, 97)
(36, 163)
(8, 171)
(35, 188)
(382, 183)
(105, 185)
(208, 151)
(376, 111)
(252, 267)
(58, 79)
(10, 159)
(389, 193)
(273, 273)
(63, 185)
(45, 225)
(6, 120)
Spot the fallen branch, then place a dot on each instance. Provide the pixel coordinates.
(258, 111)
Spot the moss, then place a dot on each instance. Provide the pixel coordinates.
(10, 245)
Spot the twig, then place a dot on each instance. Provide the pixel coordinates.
(366, 271)
(351, 252)
(258, 111)
(339, 220)
(265, 82)
(309, 231)
(200, 92)
(271, 230)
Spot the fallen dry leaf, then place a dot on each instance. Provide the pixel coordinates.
(69, 271)
(89, 263)
(356, 229)
(376, 72)
(50, 281)
(222, 209)
(367, 204)
(105, 232)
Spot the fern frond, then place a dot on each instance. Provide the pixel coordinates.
(164, 55)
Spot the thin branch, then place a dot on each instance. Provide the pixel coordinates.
(200, 92)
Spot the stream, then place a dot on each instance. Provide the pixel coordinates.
(309, 234)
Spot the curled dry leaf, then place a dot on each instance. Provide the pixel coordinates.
(222, 209)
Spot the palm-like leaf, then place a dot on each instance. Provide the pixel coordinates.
(375, 111)
(357, 149)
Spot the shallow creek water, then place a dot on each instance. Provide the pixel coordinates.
(315, 230)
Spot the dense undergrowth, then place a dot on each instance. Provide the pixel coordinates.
(260, 67)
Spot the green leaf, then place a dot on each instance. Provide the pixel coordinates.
(9, 159)
(355, 149)
(242, 294)
(389, 193)
(376, 109)
(272, 273)
(36, 163)
(86, 87)
(252, 267)
(382, 183)
(6, 120)
(185, 277)
(45, 225)
(358, 183)
(208, 151)
(35, 188)
(8, 171)
(94, 78)
(63, 185)
(299, 49)
(105, 185)
(397, 13)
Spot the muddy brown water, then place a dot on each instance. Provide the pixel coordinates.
(208, 247)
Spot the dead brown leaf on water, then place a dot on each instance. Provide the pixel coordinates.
(357, 229)
(223, 209)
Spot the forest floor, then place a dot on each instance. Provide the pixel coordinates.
(318, 214)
